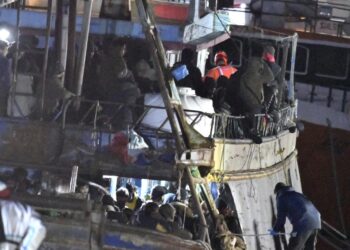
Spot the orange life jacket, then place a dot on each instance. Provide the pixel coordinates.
(218, 71)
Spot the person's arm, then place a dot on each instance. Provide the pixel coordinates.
(281, 214)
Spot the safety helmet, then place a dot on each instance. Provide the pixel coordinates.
(221, 56)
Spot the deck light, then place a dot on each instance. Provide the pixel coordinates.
(4, 34)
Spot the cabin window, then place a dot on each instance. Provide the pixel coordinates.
(234, 49)
(301, 61)
(332, 63)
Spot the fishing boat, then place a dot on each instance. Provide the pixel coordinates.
(182, 139)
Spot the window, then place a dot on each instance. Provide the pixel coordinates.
(332, 63)
(301, 61)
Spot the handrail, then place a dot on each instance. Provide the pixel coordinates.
(235, 127)
(222, 125)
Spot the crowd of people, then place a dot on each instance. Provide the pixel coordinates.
(115, 74)
(164, 210)
(154, 213)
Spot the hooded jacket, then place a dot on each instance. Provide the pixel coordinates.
(302, 214)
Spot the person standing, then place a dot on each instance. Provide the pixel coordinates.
(222, 69)
(303, 215)
(194, 77)
(5, 74)
(20, 226)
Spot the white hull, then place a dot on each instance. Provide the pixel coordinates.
(252, 171)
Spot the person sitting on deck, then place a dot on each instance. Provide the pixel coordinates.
(168, 212)
(122, 197)
(157, 194)
(134, 201)
(149, 217)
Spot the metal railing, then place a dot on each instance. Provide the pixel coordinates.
(222, 125)
(264, 125)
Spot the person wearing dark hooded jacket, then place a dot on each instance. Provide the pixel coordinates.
(194, 77)
(301, 213)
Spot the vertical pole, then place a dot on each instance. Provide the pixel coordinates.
(113, 187)
(15, 70)
(291, 96)
(84, 37)
(343, 103)
(70, 65)
(335, 178)
(329, 97)
(64, 39)
(46, 56)
(73, 179)
(282, 74)
(193, 11)
(58, 29)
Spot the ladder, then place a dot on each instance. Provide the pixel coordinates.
(192, 149)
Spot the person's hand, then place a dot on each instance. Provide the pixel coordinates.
(272, 232)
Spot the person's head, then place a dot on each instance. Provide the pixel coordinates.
(122, 197)
(221, 58)
(5, 192)
(167, 211)
(187, 55)
(157, 193)
(107, 200)
(279, 186)
(269, 54)
(224, 208)
(131, 190)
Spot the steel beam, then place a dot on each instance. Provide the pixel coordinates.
(3, 3)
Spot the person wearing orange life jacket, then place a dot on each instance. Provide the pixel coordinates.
(222, 69)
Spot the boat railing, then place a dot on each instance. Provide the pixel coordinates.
(217, 125)
(238, 127)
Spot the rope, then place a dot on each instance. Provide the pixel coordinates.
(266, 234)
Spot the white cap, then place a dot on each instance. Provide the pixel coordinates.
(3, 186)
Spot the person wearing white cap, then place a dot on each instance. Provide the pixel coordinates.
(20, 226)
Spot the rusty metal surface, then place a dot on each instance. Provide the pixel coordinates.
(54, 202)
(31, 142)
(129, 237)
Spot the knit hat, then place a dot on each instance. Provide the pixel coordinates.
(279, 186)
(122, 192)
(158, 192)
